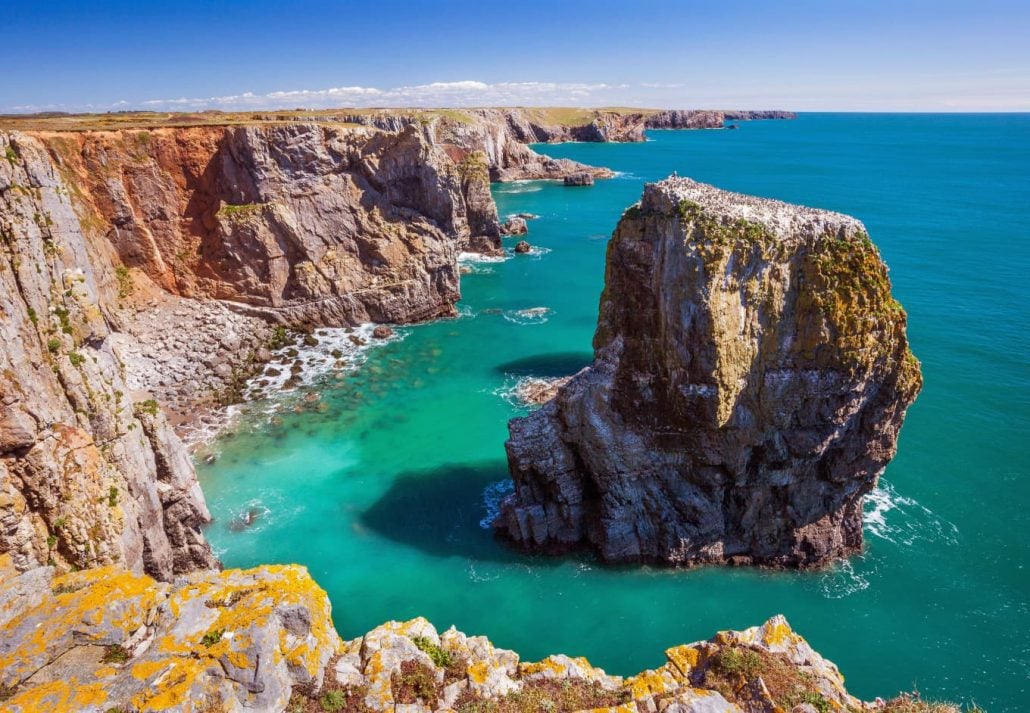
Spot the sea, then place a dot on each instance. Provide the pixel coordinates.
(382, 472)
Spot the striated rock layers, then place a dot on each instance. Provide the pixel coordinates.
(751, 375)
(143, 264)
(263, 640)
(89, 475)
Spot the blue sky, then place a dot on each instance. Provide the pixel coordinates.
(875, 55)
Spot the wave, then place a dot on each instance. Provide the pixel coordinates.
(493, 495)
(474, 258)
(902, 520)
(289, 380)
(531, 315)
(844, 579)
(522, 391)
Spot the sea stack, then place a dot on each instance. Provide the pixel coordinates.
(751, 374)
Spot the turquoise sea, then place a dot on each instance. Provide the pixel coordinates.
(381, 493)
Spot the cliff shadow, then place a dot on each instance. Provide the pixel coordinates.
(439, 512)
(548, 365)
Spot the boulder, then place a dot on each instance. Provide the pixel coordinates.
(579, 179)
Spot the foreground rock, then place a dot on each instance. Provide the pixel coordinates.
(751, 375)
(263, 640)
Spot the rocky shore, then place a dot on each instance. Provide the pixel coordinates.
(751, 376)
(263, 640)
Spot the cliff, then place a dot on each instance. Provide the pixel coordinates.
(145, 271)
(263, 640)
(89, 474)
(751, 375)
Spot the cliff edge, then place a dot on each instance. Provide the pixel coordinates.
(263, 640)
(751, 376)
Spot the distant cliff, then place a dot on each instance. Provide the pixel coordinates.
(751, 376)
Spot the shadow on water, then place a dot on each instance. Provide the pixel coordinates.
(558, 364)
(438, 511)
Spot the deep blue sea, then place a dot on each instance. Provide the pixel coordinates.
(382, 488)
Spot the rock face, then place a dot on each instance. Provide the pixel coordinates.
(515, 225)
(304, 224)
(751, 375)
(149, 269)
(90, 474)
(107, 639)
(263, 640)
(579, 179)
(685, 119)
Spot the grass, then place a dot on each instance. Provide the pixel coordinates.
(125, 285)
(333, 698)
(415, 683)
(733, 668)
(114, 121)
(546, 695)
(149, 406)
(212, 637)
(115, 654)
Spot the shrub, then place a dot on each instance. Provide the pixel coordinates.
(441, 657)
(332, 701)
(212, 637)
(76, 359)
(115, 654)
(53, 345)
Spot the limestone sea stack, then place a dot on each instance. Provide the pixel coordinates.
(751, 374)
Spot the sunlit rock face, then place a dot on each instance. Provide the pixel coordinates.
(263, 640)
(751, 376)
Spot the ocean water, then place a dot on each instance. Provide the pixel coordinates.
(382, 486)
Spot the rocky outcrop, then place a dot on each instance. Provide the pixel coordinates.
(303, 224)
(90, 472)
(751, 375)
(760, 115)
(685, 119)
(145, 270)
(516, 225)
(263, 640)
(579, 179)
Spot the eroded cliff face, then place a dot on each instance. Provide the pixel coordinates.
(263, 640)
(90, 474)
(751, 376)
(306, 224)
(148, 269)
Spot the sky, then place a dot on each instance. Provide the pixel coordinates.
(831, 55)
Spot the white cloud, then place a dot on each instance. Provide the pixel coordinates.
(460, 93)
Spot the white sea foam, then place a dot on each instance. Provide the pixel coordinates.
(516, 388)
(493, 495)
(531, 315)
(844, 579)
(338, 350)
(901, 520)
(474, 258)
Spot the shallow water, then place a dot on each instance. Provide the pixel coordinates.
(383, 492)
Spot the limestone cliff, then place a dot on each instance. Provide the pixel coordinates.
(263, 640)
(751, 375)
(89, 475)
(143, 265)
